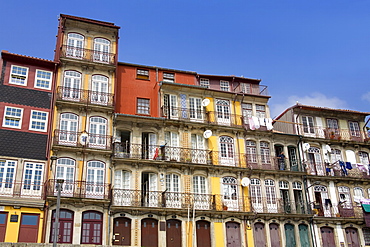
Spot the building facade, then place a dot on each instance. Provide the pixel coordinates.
(26, 91)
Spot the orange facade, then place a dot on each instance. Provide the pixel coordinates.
(136, 82)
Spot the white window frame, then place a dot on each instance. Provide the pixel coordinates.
(16, 118)
(168, 77)
(18, 76)
(8, 169)
(33, 178)
(224, 86)
(142, 74)
(42, 79)
(260, 111)
(204, 82)
(101, 50)
(39, 121)
(143, 106)
(354, 128)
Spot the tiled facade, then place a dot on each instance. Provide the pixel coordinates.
(153, 156)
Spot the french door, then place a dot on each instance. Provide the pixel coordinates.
(68, 129)
(95, 179)
(223, 112)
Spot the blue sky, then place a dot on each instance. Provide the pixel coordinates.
(312, 51)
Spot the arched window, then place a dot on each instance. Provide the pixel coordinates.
(223, 111)
(95, 187)
(72, 86)
(251, 150)
(75, 44)
(99, 89)
(230, 193)
(101, 50)
(65, 234)
(364, 157)
(68, 129)
(315, 161)
(227, 151)
(284, 195)
(97, 132)
(336, 155)
(344, 197)
(358, 194)
(92, 225)
(265, 153)
(271, 196)
(256, 195)
(65, 169)
(298, 197)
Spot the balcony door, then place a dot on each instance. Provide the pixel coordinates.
(68, 129)
(3, 223)
(92, 228)
(172, 196)
(195, 105)
(198, 154)
(122, 231)
(122, 195)
(33, 178)
(99, 90)
(172, 150)
(75, 43)
(201, 199)
(101, 50)
(66, 170)
(7, 173)
(271, 200)
(223, 112)
(150, 150)
(95, 179)
(233, 236)
(150, 194)
(65, 234)
(230, 193)
(227, 154)
(170, 106)
(315, 161)
(256, 195)
(97, 132)
(72, 86)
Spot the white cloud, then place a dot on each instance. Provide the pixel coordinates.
(315, 99)
(366, 96)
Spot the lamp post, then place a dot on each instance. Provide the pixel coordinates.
(57, 211)
(313, 235)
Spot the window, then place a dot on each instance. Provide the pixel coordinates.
(66, 170)
(122, 179)
(170, 105)
(98, 131)
(43, 79)
(38, 121)
(204, 82)
(247, 110)
(13, 117)
(68, 128)
(143, 106)
(333, 125)
(224, 86)
(260, 111)
(251, 150)
(223, 112)
(168, 77)
(18, 75)
(364, 157)
(358, 194)
(226, 150)
(336, 155)
(271, 196)
(99, 94)
(245, 87)
(195, 105)
(65, 224)
(142, 74)
(7, 173)
(344, 197)
(308, 125)
(32, 178)
(230, 193)
(92, 228)
(75, 44)
(354, 128)
(95, 179)
(366, 232)
(72, 85)
(265, 153)
(101, 50)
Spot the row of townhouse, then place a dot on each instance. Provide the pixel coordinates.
(150, 156)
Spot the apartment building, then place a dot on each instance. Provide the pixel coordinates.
(26, 91)
(86, 52)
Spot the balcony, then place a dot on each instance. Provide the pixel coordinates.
(265, 162)
(321, 132)
(88, 55)
(337, 210)
(76, 139)
(84, 96)
(277, 206)
(24, 189)
(176, 200)
(79, 189)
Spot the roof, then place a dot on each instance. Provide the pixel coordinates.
(101, 23)
(230, 77)
(318, 108)
(155, 67)
(26, 59)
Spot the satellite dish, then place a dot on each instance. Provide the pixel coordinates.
(206, 102)
(245, 182)
(207, 134)
(306, 146)
(328, 148)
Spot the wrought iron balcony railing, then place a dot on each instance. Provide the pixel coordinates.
(88, 55)
(24, 189)
(157, 199)
(79, 189)
(347, 210)
(277, 206)
(75, 139)
(84, 96)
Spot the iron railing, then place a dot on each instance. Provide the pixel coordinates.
(277, 205)
(79, 189)
(84, 96)
(74, 139)
(88, 55)
(347, 210)
(24, 189)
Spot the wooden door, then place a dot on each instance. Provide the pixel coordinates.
(352, 237)
(65, 233)
(29, 228)
(233, 234)
(122, 231)
(92, 228)
(303, 235)
(289, 235)
(203, 233)
(173, 233)
(274, 235)
(3, 220)
(327, 235)
(149, 233)
(259, 235)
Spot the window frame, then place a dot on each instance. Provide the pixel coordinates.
(260, 111)
(25, 79)
(168, 77)
(224, 87)
(142, 74)
(48, 81)
(39, 121)
(19, 119)
(204, 82)
(142, 106)
(354, 128)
